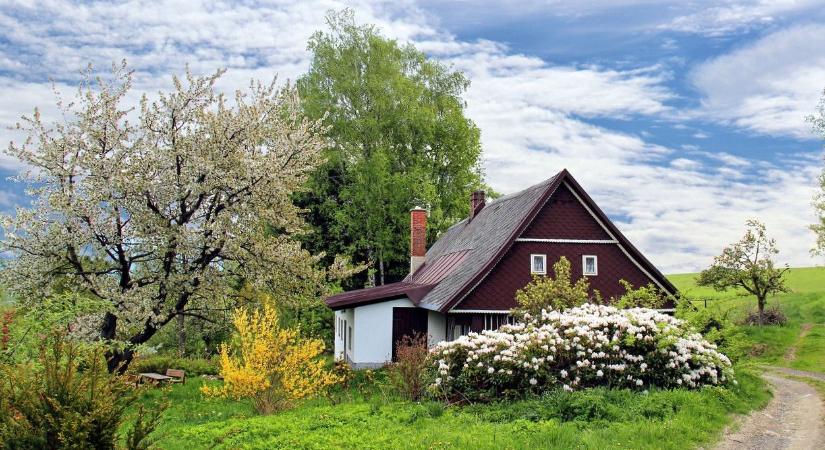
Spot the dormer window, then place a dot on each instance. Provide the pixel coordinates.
(590, 265)
(538, 264)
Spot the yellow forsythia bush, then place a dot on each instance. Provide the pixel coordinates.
(273, 366)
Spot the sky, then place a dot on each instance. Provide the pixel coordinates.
(682, 119)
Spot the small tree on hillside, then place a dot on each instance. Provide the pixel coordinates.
(748, 265)
(553, 293)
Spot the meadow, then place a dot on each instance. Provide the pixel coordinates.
(800, 344)
(367, 414)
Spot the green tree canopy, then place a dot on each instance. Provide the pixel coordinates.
(747, 264)
(399, 139)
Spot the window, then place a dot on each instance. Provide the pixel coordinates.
(538, 264)
(494, 321)
(350, 338)
(589, 265)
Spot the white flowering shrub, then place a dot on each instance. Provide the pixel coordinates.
(587, 346)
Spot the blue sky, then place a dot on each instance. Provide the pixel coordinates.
(681, 118)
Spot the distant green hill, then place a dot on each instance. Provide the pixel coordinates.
(800, 280)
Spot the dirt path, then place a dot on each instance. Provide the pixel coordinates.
(798, 373)
(790, 355)
(794, 419)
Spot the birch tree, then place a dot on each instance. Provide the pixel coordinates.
(399, 139)
(162, 216)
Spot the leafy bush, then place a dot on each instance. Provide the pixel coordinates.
(770, 316)
(68, 400)
(273, 366)
(588, 346)
(554, 293)
(716, 326)
(159, 364)
(411, 361)
(642, 297)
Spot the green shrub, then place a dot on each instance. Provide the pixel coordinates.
(716, 326)
(159, 364)
(584, 406)
(434, 409)
(642, 297)
(67, 400)
(657, 407)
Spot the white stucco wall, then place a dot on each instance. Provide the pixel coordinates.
(372, 336)
(341, 350)
(436, 327)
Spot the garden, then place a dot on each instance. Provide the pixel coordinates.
(632, 403)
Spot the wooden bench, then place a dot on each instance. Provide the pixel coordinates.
(154, 378)
(176, 375)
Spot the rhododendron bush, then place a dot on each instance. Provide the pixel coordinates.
(587, 346)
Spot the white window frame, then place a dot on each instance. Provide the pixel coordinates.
(595, 265)
(533, 267)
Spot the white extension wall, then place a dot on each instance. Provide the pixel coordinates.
(372, 332)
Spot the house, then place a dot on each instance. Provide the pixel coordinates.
(468, 279)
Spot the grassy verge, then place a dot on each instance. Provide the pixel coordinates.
(805, 304)
(597, 418)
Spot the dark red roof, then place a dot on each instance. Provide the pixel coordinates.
(435, 271)
(413, 291)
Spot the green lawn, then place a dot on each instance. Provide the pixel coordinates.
(367, 416)
(594, 419)
(805, 304)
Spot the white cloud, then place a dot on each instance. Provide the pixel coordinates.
(535, 117)
(769, 86)
(736, 16)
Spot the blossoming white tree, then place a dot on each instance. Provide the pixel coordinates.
(162, 216)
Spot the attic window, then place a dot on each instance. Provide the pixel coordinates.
(589, 265)
(538, 264)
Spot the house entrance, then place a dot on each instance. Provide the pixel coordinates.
(407, 322)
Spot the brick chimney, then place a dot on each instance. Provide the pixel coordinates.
(418, 237)
(476, 203)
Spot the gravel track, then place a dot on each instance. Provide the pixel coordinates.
(794, 418)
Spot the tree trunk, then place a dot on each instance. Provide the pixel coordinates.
(371, 272)
(761, 306)
(381, 267)
(180, 319)
(119, 360)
